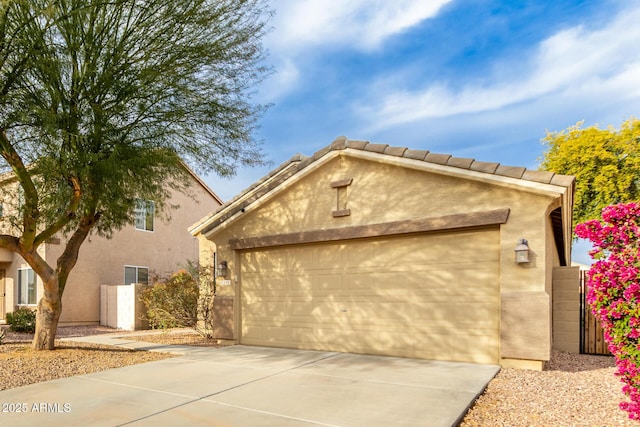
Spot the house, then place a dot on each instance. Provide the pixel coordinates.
(150, 246)
(375, 249)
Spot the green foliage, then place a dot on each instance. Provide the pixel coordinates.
(22, 320)
(115, 93)
(172, 303)
(606, 163)
(102, 101)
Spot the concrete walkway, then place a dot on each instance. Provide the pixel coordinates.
(253, 386)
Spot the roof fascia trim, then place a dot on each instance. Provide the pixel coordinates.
(395, 228)
(503, 181)
(203, 228)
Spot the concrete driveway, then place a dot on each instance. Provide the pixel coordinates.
(254, 386)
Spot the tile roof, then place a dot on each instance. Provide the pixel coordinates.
(299, 162)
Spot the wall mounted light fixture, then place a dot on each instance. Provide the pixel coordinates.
(223, 269)
(522, 251)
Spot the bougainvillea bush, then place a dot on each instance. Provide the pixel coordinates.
(614, 291)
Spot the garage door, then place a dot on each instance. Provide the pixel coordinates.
(432, 296)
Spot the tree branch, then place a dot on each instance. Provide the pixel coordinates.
(69, 256)
(66, 217)
(9, 242)
(30, 214)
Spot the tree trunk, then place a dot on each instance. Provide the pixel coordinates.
(50, 305)
(49, 309)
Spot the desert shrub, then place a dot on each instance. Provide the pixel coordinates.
(172, 303)
(22, 320)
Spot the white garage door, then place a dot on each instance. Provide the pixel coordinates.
(433, 296)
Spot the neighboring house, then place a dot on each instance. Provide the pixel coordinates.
(151, 246)
(374, 249)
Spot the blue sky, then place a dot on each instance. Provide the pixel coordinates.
(473, 78)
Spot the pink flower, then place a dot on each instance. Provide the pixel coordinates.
(614, 290)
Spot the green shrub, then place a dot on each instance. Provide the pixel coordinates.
(22, 320)
(172, 303)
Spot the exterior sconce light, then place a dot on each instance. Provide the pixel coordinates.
(522, 251)
(222, 269)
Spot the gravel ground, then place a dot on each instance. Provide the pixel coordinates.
(19, 365)
(574, 390)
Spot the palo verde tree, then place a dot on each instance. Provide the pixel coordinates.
(606, 163)
(100, 103)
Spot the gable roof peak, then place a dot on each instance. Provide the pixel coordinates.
(299, 162)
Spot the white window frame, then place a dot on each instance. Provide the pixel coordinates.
(137, 267)
(145, 212)
(19, 283)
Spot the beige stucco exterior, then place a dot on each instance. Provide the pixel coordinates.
(351, 186)
(101, 261)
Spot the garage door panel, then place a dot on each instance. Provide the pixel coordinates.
(327, 257)
(404, 296)
(251, 332)
(463, 342)
(372, 312)
(381, 342)
(301, 308)
(261, 262)
(301, 285)
(361, 254)
(481, 314)
(411, 252)
(437, 344)
(354, 281)
(273, 285)
(265, 284)
(469, 246)
(328, 284)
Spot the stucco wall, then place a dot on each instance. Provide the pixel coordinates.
(101, 261)
(566, 309)
(382, 192)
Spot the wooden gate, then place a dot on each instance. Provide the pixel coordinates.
(591, 334)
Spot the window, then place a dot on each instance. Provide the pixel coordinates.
(134, 274)
(145, 211)
(26, 287)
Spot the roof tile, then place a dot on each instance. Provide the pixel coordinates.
(340, 143)
(321, 152)
(395, 151)
(563, 180)
(460, 162)
(440, 159)
(538, 176)
(510, 171)
(376, 148)
(358, 145)
(486, 167)
(416, 154)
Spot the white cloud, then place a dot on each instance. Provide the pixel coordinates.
(285, 78)
(363, 24)
(574, 61)
(300, 26)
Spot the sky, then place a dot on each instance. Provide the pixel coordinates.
(473, 78)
